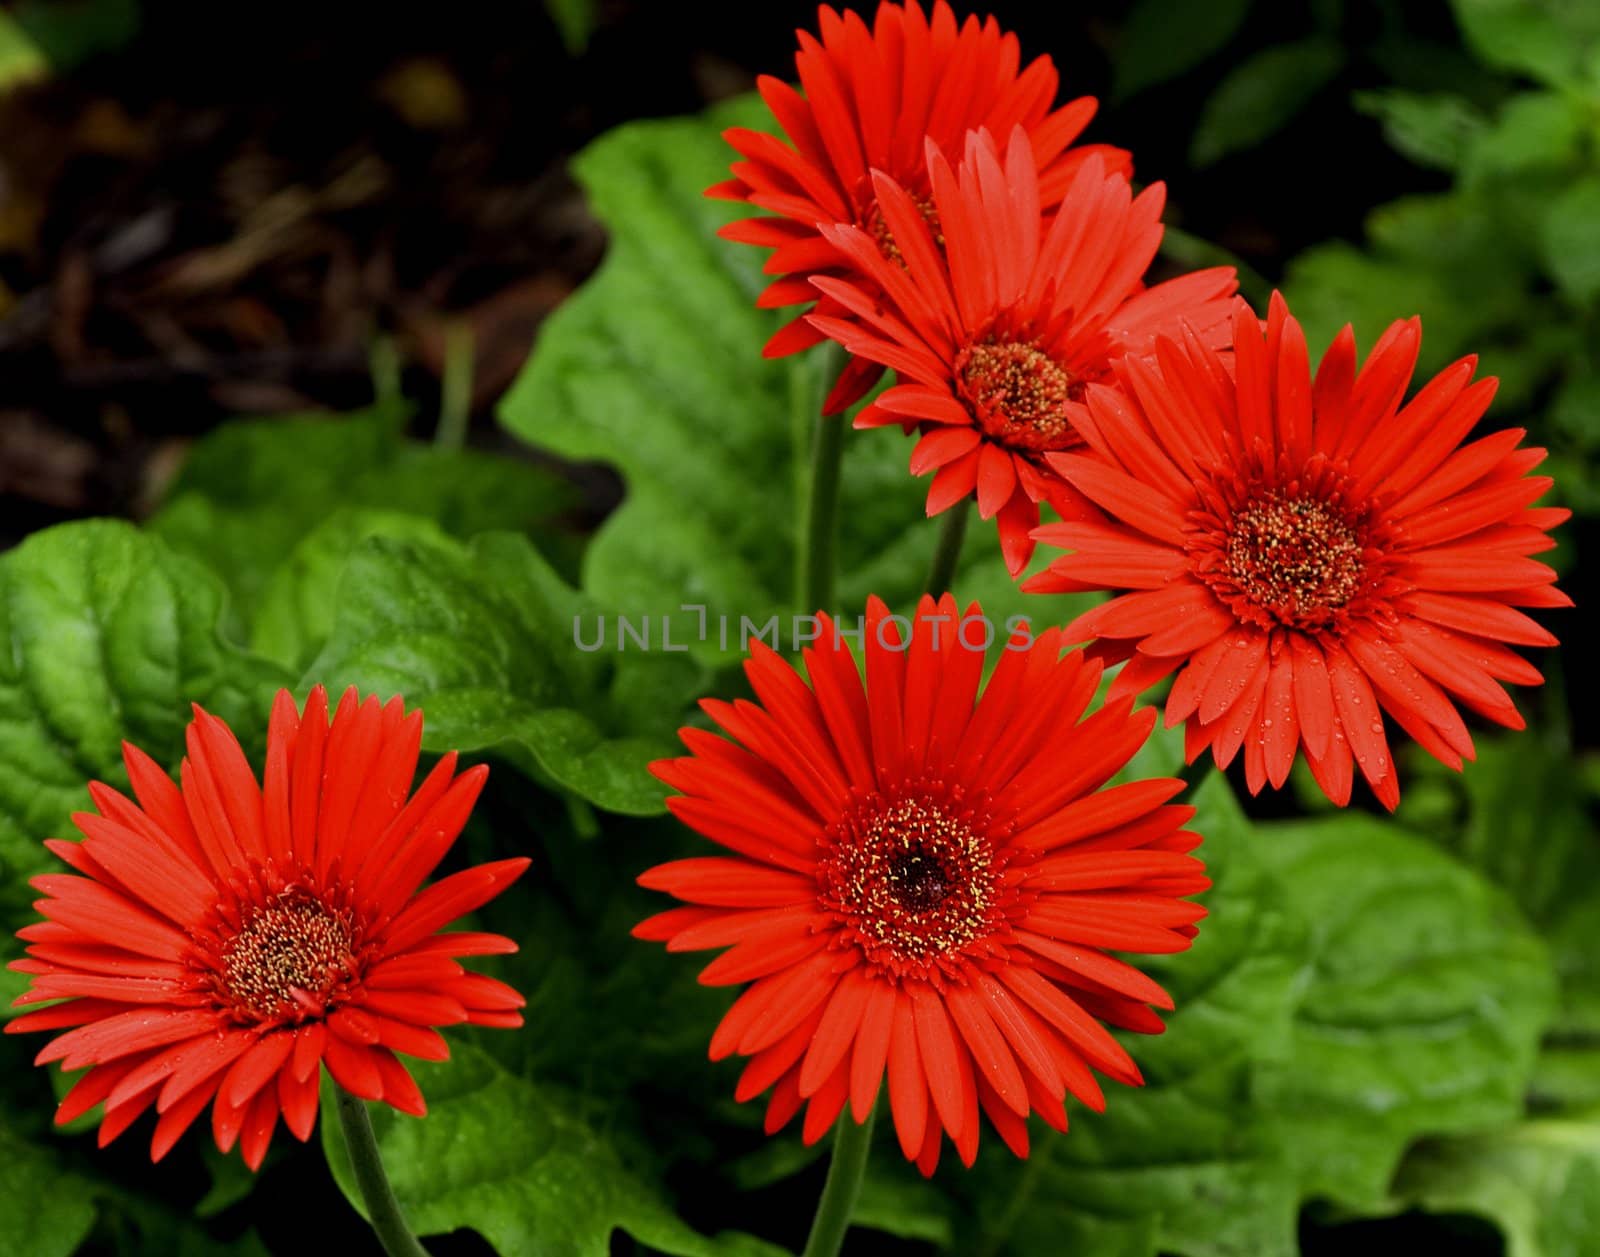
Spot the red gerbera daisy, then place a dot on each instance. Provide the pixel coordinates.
(225, 941)
(1308, 554)
(995, 337)
(871, 98)
(928, 880)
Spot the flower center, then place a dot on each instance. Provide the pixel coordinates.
(913, 879)
(877, 226)
(1297, 558)
(288, 956)
(1018, 392)
(917, 880)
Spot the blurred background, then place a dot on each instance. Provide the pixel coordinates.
(214, 210)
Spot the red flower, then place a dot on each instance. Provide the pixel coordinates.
(928, 880)
(995, 337)
(871, 99)
(225, 941)
(1308, 554)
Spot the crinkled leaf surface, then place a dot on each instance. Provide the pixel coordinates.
(1423, 1003)
(515, 1162)
(481, 637)
(253, 489)
(108, 636)
(1538, 1181)
(1525, 817)
(298, 604)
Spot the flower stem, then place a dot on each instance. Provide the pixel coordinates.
(851, 1143)
(455, 392)
(945, 558)
(383, 1210)
(819, 536)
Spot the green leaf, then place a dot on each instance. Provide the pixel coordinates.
(1532, 131)
(1549, 40)
(516, 1162)
(896, 1201)
(253, 489)
(1571, 240)
(1442, 257)
(1260, 96)
(483, 638)
(1524, 816)
(1353, 990)
(297, 606)
(1161, 39)
(20, 58)
(1433, 130)
(1188, 1163)
(45, 1211)
(71, 32)
(655, 366)
(1426, 998)
(1575, 412)
(576, 20)
(105, 636)
(1538, 1181)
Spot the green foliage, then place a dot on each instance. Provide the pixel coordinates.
(1261, 94)
(1433, 129)
(1165, 38)
(575, 20)
(106, 636)
(20, 58)
(1539, 1181)
(254, 489)
(1525, 818)
(1478, 261)
(56, 1213)
(1570, 236)
(1554, 41)
(298, 605)
(69, 32)
(482, 638)
(546, 1182)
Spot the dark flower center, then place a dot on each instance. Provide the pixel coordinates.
(1297, 558)
(914, 879)
(917, 880)
(288, 954)
(1018, 392)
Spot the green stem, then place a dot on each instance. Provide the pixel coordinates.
(851, 1143)
(819, 529)
(383, 1210)
(455, 390)
(384, 363)
(951, 534)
